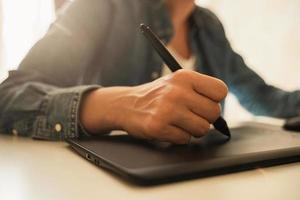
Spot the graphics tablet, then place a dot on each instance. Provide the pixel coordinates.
(251, 146)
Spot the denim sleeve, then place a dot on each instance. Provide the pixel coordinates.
(42, 98)
(251, 90)
(40, 110)
(256, 95)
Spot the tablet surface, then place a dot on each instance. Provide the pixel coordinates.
(150, 163)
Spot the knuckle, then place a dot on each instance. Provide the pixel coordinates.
(172, 94)
(215, 112)
(206, 127)
(180, 74)
(222, 90)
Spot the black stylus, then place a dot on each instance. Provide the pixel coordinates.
(220, 124)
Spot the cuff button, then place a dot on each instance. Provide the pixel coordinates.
(15, 132)
(58, 127)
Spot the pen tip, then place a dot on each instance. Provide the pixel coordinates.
(221, 125)
(226, 132)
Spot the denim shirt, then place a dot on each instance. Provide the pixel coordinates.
(97, 43)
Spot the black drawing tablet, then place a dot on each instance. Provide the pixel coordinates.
(251, 146)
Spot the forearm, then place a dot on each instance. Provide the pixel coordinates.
(256, 95)
(265, 100)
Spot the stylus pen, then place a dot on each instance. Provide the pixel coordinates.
(220, 124)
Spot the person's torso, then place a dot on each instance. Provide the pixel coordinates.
(127, 58)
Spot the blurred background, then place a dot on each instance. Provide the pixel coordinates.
(265, 32)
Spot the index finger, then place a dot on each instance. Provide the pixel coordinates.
(213, 88)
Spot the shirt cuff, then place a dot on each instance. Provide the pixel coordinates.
(60, 114)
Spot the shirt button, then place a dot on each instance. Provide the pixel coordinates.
(154, 75)
(15, 132)
(58, 127)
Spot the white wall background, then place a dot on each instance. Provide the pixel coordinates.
(267, 34)
(1, 37)
(23, 23)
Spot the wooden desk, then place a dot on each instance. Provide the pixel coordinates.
(44, 170)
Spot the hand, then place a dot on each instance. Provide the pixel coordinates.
(172, 108)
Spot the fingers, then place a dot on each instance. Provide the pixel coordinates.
(177, 128)
(203, 107)
(160, 129)
(175, 107)
(193, 124)
(174, 135)
(208, 86)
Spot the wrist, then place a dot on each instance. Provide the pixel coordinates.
(103, 110)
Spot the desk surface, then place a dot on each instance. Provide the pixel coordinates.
(31, 169)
